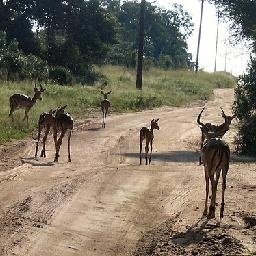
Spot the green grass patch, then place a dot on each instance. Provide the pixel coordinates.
(170, 88)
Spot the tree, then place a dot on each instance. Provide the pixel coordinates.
(166, 32)
(141, 35)
(74, 34)
(242, 13)
(199, 34)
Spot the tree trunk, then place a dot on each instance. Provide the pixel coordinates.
(140, 45)
(199, 34)
(217, 42)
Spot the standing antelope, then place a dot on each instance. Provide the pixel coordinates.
(216, 156)
(217, 131)
(64, 123)
(23, 101)
(147, 133)
(105, 104)
(47, 120)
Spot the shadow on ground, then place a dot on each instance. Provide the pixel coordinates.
(35, 162)
(172, 156)
(185, 157)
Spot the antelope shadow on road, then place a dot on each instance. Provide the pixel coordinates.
(185, 157)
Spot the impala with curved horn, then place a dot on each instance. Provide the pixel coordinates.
(214, 130)
(216, 157)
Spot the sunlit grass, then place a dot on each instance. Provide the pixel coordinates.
(170, 88)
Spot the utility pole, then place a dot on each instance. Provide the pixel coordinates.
(140, 45)
(199, 34)
(225, 68)
(217, 41)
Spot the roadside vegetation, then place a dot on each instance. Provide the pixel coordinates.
(161, 88)
(242, 16)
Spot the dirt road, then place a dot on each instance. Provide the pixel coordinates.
(104, 203)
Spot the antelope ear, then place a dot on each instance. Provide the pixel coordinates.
(41, 88)
(109, 92)
(157, 120)
(62, 108)
(35, 88)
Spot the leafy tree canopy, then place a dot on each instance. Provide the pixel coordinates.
(242, 12)
(166, 32)
(72, 35)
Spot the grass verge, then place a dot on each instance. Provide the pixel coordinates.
(170, 88)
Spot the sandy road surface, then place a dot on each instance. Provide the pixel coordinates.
(104, 203)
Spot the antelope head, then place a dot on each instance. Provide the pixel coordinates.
(105, 94)
(154, 124)
(59, 110)
(38, 92)
(207, 128)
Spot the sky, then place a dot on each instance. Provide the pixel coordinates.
(236, 56)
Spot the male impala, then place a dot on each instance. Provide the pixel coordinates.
(148, 135)
(217, 131)
(23, 101)
(215, 156)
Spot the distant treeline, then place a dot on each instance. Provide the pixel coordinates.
(62, 40)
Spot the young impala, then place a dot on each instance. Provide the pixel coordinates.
(148, 135)
(215, 157)
(23, 101)
(47, 121)
(105, 105)
(64, 123)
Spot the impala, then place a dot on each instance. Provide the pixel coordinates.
(23, 101)
(217, 131)
(64, 123)
(215, 157)
(47, 121)
(105, 105)
(148, 135)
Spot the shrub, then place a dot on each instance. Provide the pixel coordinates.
(60, 75)
(15, 65)
(244, 108)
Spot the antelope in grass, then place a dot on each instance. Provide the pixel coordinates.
(23, 101)
(148, 135)
(215, 156)
(47, 121)
(217, 131)
(64, 123)
(105, 105)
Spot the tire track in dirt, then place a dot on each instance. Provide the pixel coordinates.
(103, 202)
